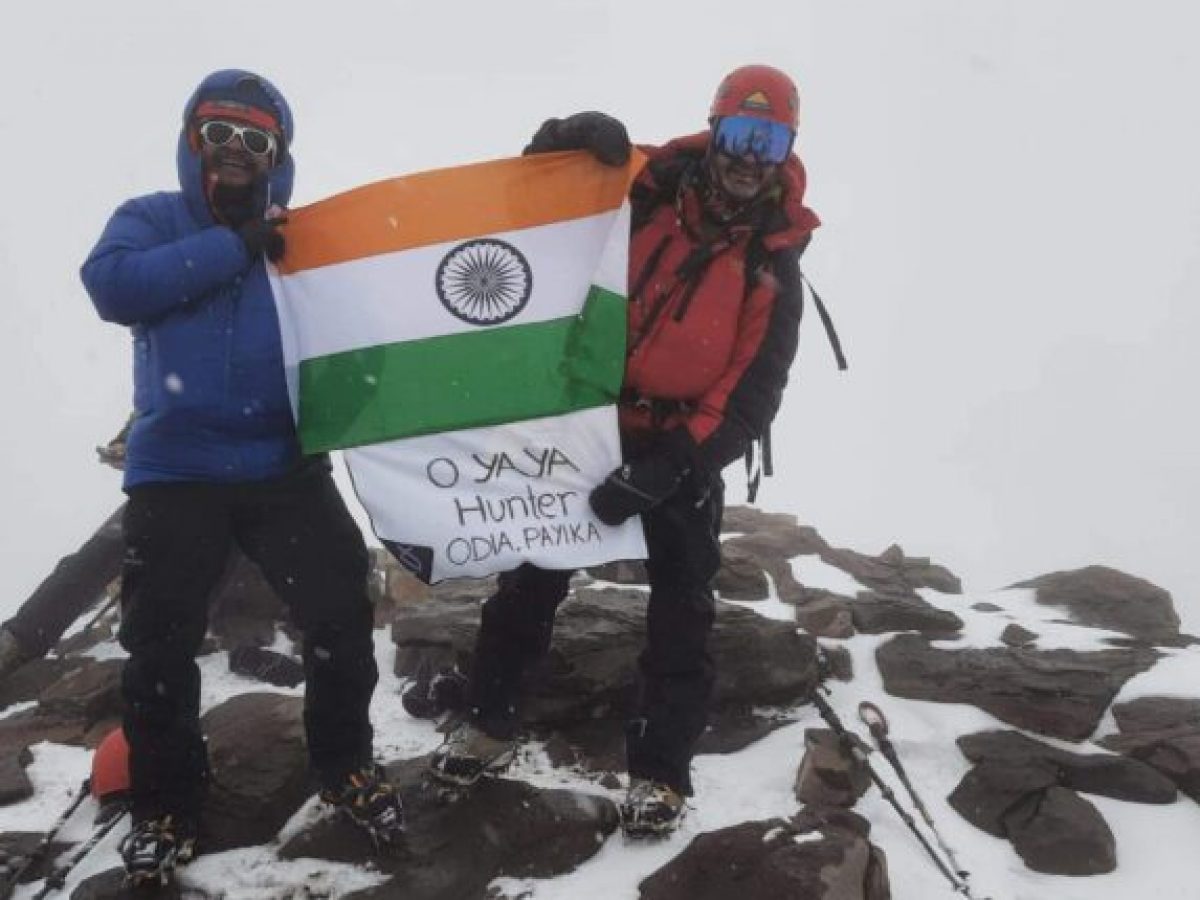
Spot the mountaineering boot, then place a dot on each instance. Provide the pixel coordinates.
(468, 754)
(651, 809)
(369, 800)
(155, 846)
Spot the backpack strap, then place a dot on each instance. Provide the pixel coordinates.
(759, 460)
(754, 470)
(759, 464)
(830, 332)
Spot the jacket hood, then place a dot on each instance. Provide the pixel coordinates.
(791, 221)
(187, 160)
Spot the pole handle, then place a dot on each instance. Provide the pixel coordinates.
(872, 716)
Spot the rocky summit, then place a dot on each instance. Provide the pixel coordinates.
(1017, 718)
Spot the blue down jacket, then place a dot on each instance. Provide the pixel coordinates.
(210, 396)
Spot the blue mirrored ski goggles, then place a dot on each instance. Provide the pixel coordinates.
(766, 141)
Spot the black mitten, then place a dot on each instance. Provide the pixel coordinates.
(262, 236)
(636, 487)
(602, 135)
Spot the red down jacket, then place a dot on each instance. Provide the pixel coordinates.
(714, 310)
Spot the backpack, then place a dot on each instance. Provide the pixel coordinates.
(758, 458)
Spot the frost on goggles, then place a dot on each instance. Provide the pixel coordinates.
(741, 136)
(218, 133)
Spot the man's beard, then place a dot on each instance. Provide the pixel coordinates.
(719, 205)
(234, 204)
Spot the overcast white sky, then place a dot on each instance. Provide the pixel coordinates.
(1011, 247)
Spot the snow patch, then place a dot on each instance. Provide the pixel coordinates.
(816, 574)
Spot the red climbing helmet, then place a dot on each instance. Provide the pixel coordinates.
(110, 767)
(760, 92)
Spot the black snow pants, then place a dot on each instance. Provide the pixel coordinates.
(297, 530)
(676, 670)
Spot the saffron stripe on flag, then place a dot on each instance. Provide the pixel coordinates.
(452, 204)
(465, 380)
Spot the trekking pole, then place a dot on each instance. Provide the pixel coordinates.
(43, 846)
(107, 607)
(872, 716)
(59, 876)
(851, 747)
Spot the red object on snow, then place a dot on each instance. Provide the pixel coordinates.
(110, 767)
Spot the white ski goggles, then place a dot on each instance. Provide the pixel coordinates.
(218, 133)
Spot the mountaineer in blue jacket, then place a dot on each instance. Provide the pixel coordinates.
(213, 461)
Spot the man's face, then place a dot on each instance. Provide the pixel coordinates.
(227, 158)
(746, 153)
(741, 178)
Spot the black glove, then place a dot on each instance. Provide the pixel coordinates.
(263, 236)
(637, 487)
(603, 136)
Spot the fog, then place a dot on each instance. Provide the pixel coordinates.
(1010, 249)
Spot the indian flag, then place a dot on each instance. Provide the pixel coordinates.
(461, 334)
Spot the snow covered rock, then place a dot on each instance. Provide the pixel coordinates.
(1093, 773)
(741, 576)
(828, 775)
(1107, 598)
(774, 536)
(63, 716)
(110, 885)
(14, 783)
(288, 845)
(87, 694)
(1163, 732)
(1051, 827)
(259, 769)
(892, 572)
(18, 846)
(1015, 635)
(772, 540)
(583, 690)
(1058, 832)
(819, 854)
(826, 615)
(993, 787)
(880, 613)
(452, 849)
(1060, 693)
(33, 679)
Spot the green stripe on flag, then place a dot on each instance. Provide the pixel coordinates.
(467, 380)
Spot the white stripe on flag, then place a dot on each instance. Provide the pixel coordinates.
(391, 297)
(613, 269)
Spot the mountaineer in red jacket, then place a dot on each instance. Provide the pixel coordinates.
(719, 223)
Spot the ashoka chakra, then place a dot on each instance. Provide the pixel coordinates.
(484, 282)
